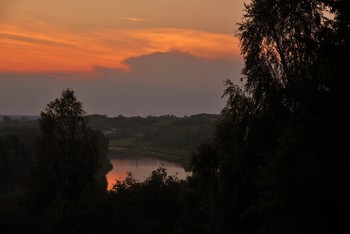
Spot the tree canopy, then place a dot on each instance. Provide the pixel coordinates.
(69, 152)
(282, 158)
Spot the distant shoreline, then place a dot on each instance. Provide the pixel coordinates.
(20, 117)
(128, 152)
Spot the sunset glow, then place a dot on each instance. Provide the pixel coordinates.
(36, 41)
(161, 50)
(52, 50)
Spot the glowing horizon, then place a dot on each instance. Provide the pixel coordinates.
(145, 57)
(47, 52)
(37, 38)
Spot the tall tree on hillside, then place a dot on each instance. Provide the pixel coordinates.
(283, 164)
(69, 156)
(280, 43)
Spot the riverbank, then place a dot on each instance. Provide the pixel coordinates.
(185, 161)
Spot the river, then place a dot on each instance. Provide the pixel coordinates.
(141, 166)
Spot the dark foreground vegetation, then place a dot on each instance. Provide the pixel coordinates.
(279, 162)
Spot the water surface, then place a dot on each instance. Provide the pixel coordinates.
(141, 166)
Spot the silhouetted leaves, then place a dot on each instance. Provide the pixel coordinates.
(70, 153)
(283, 162)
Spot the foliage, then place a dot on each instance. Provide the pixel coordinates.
(164, 134)
(280, 142)
(16, 163)
(70, 153)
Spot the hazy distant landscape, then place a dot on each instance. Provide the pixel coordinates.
(169, 135)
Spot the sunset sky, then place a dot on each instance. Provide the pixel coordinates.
(144, 57)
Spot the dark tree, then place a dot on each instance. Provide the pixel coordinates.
(280, 145)
(69, 152)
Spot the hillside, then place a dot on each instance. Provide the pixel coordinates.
(165, 135)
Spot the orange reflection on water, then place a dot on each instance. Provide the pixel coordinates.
(113, 176)
(140, 167)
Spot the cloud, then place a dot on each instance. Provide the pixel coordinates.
(209, 16)
(32, 39)
(158, 83)
(162, 57)
(48, 49)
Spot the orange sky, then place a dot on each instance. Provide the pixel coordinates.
(141, 57)
(39, 36)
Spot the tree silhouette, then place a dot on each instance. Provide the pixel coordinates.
(69, 151)
(282, 157)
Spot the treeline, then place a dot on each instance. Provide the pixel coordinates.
(280, 159)
(166, 134)
(44, 169)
